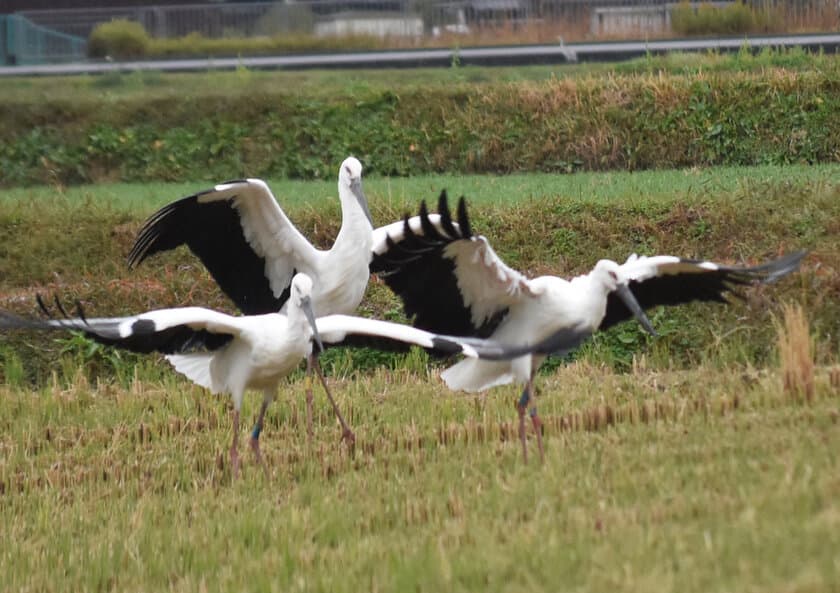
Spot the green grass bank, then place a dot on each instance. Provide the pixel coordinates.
(750, 110)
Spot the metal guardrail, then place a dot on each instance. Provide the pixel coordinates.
(488, 56)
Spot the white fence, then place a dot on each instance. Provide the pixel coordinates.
(593, 18)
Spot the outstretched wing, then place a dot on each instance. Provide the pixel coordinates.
(669, 280)
(241, 235)
(449, 280)
(168, 331)
(337, 328)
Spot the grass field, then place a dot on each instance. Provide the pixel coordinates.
(389, 194)
(694, 469)
(705, 480)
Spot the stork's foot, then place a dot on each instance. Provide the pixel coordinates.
(349, 438)
(309, 399)
(520, 409)
(255, 447)
(538, 430)
(234, 462)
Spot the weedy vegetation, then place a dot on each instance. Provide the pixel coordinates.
(740, 110)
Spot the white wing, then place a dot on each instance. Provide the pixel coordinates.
(335, 328)
(164, 330)
(643, 268)
(242, 236)
(486, 283)
(268, 230)
(670, 280)
(450, 281)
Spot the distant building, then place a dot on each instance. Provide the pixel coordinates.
(377, 25)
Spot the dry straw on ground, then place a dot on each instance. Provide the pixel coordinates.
(795, 353)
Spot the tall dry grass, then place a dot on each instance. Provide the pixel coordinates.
(795, 353)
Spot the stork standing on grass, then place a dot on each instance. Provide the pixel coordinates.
(253, 250)
(451, 281)
(233, 354)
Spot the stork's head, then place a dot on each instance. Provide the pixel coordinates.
(612, 277)
(301, 289)
(608, 274)
(301, 297)
(350, 183)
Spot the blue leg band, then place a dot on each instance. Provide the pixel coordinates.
(255, 434)
(523, 400)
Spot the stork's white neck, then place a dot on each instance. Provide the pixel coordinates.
(355, 226)
(296, 318)
(591, 295)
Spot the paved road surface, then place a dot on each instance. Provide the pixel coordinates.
(488, 56)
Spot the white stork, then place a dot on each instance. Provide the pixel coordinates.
(227, 354)
(452, 282)
(253, 250)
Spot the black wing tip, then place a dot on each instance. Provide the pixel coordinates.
(446, 346)
(41, 305)
(51, 322)
(463, 218)
(767, 272)
(446, 217)
(424, 209)
(155, 225)
(783, 266)
(443, 201)
(12, 321)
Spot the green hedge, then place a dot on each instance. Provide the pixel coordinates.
(617, 122)
(119, 39)
(123, 39)
(735, 18)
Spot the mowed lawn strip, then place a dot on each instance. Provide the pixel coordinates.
(618, 188)
(717, 481)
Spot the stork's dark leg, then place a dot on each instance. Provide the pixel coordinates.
(527, 403)
(535, 419)
(346, 434)
(234, 452)
(311, 361)
(268, 397)
(520, 408)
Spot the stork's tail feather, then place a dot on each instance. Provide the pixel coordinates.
(477, 375)
(195, 367)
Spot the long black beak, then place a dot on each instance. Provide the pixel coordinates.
(623, 291)
(356, 188)
(306, 306)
